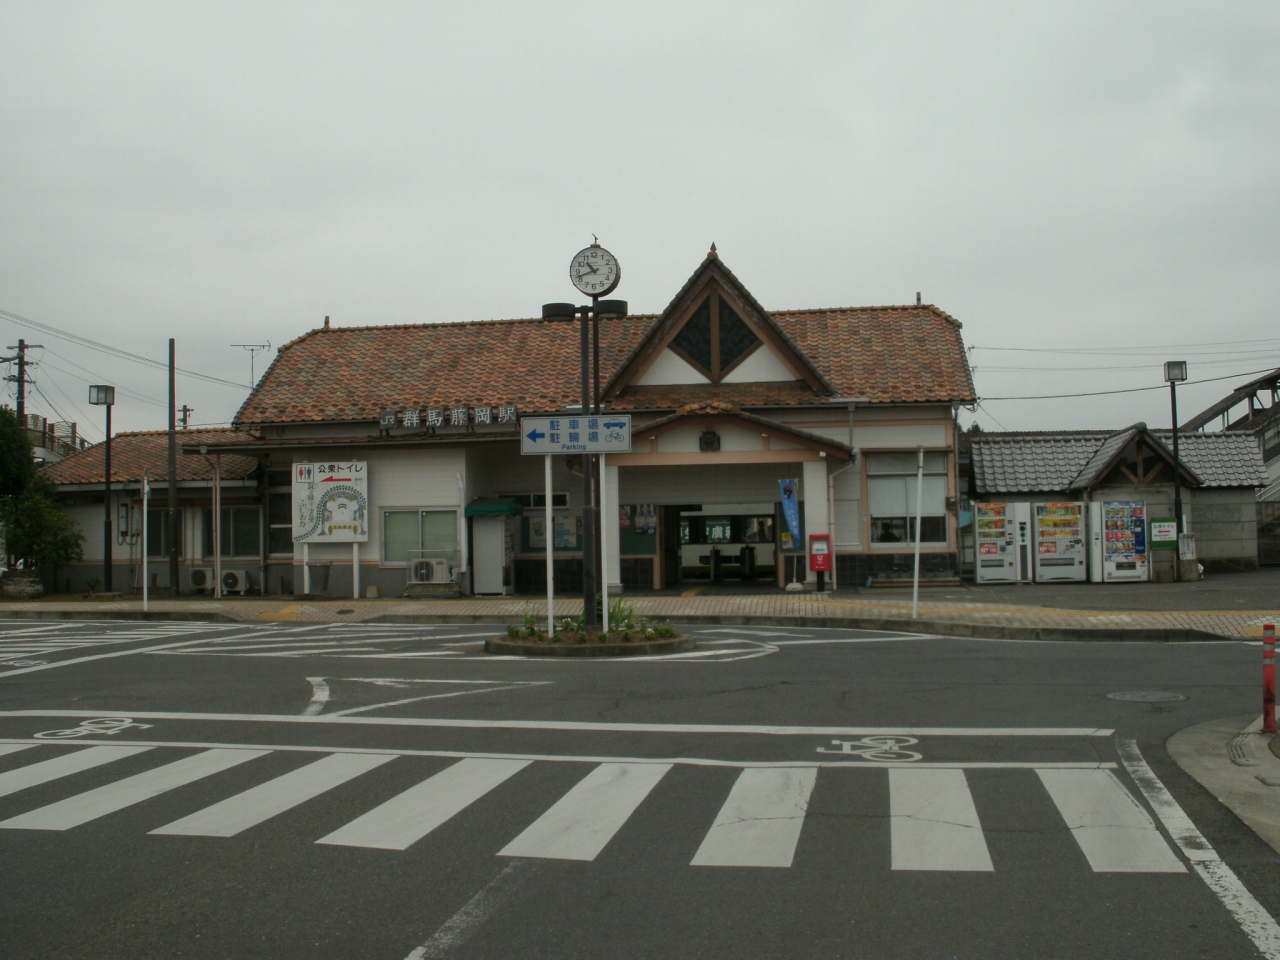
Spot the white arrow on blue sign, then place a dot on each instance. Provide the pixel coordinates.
(576, 433)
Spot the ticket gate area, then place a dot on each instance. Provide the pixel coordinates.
(727, 542)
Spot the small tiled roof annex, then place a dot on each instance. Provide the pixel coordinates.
(910, 354)
(1058, 462)
(132, 453)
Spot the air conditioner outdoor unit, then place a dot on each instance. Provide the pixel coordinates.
(201, 579)
(235, 581)
(431, 570)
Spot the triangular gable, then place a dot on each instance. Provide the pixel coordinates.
(1132, 456)
(718, 411)
(714, 331)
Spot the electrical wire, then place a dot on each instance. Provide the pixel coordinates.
(99, 378)
(1146, 350)
(1105, 393)
(86, 418)
(113, 351)
(1140, 366)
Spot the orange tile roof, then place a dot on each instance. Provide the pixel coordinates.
(888, 354)
(132, 453)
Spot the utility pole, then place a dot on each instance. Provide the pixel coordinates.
(186, 415)
(20, 378)
(174, 526)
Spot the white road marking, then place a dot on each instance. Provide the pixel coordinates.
(319, 696)
(753, 633)
(429, 696)
(759, 824)
(590, 758)
(458, 928)
(1252, 917)
(933, 822)
(92, 804)
(11, 781)
(106, 656)
(1114, 833)
(13, 748)
(765, 729)
(584, 820)
(407, 818)
(260, 803)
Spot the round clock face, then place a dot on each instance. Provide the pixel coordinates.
(595, 271)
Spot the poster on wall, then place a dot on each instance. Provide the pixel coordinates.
(331, 502)
(567, 532)
(646, 519)
(537, 533)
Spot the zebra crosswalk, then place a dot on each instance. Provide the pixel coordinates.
(933, 821)
(21, 643)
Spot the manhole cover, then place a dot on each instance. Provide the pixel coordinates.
(1147, 696)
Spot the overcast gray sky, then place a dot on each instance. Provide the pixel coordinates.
(1056, 176)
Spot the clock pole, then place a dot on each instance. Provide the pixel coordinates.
(588, 486)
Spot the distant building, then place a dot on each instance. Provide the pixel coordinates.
(52, 440)
(1260, 400)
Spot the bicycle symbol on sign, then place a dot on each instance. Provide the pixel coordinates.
(106, 725)
(886, 749)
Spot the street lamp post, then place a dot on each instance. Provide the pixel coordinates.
(101, 395)
(1175, 372)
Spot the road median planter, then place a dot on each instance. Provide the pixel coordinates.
(528, 647)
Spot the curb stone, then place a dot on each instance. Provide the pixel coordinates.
(642, 648)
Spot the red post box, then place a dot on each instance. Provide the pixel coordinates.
(820, 552)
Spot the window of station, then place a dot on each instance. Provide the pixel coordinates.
(280, 512)
(538, 501)
(410, 532)
(891, 498)
(241, 532)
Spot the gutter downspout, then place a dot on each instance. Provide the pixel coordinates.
(216, 464)
(831, 514)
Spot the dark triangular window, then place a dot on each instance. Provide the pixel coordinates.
(714, 338)
(694, 340)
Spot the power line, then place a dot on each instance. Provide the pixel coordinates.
(1104, 393)
(1138, 366)
(87, 419)
(1147, 349)
(114, 351)
(97, 379)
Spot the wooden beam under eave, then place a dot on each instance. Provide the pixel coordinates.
(711, 458)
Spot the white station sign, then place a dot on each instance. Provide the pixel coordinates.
(576, 433)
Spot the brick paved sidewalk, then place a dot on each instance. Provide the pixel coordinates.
(893, 613)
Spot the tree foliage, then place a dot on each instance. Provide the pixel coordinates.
(17, 464)
(36, 528)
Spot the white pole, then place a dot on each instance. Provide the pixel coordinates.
(915, 579)
(551, 562)
(306, 567)
(604, 546)
(146, 489)
(355, 569)
(217, 528)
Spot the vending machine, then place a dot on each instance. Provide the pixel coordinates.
(1003, 539)
(1118, 541)
(1060, 549)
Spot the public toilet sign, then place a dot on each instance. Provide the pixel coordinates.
(1164, 532)
(576, 433)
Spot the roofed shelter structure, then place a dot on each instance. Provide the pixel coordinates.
(79, 480)
(1220, 474)
(726, 397)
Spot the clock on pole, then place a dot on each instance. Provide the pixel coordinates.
(594, 271)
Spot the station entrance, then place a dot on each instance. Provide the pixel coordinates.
(717, 543)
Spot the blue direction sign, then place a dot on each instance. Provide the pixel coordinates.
(576, 433)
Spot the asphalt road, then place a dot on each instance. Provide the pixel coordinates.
(194, 790)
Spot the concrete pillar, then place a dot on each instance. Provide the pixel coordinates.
(612, 532)
(813, 489)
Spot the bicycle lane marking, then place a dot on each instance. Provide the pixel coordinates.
(128, 653)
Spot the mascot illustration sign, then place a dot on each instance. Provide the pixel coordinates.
(330, 502)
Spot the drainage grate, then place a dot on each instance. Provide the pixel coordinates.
(1147, 696)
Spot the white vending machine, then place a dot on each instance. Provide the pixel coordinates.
(1060, 549)
(1002, 533)
(1118, 541)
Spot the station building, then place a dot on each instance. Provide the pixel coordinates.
(726, 399)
